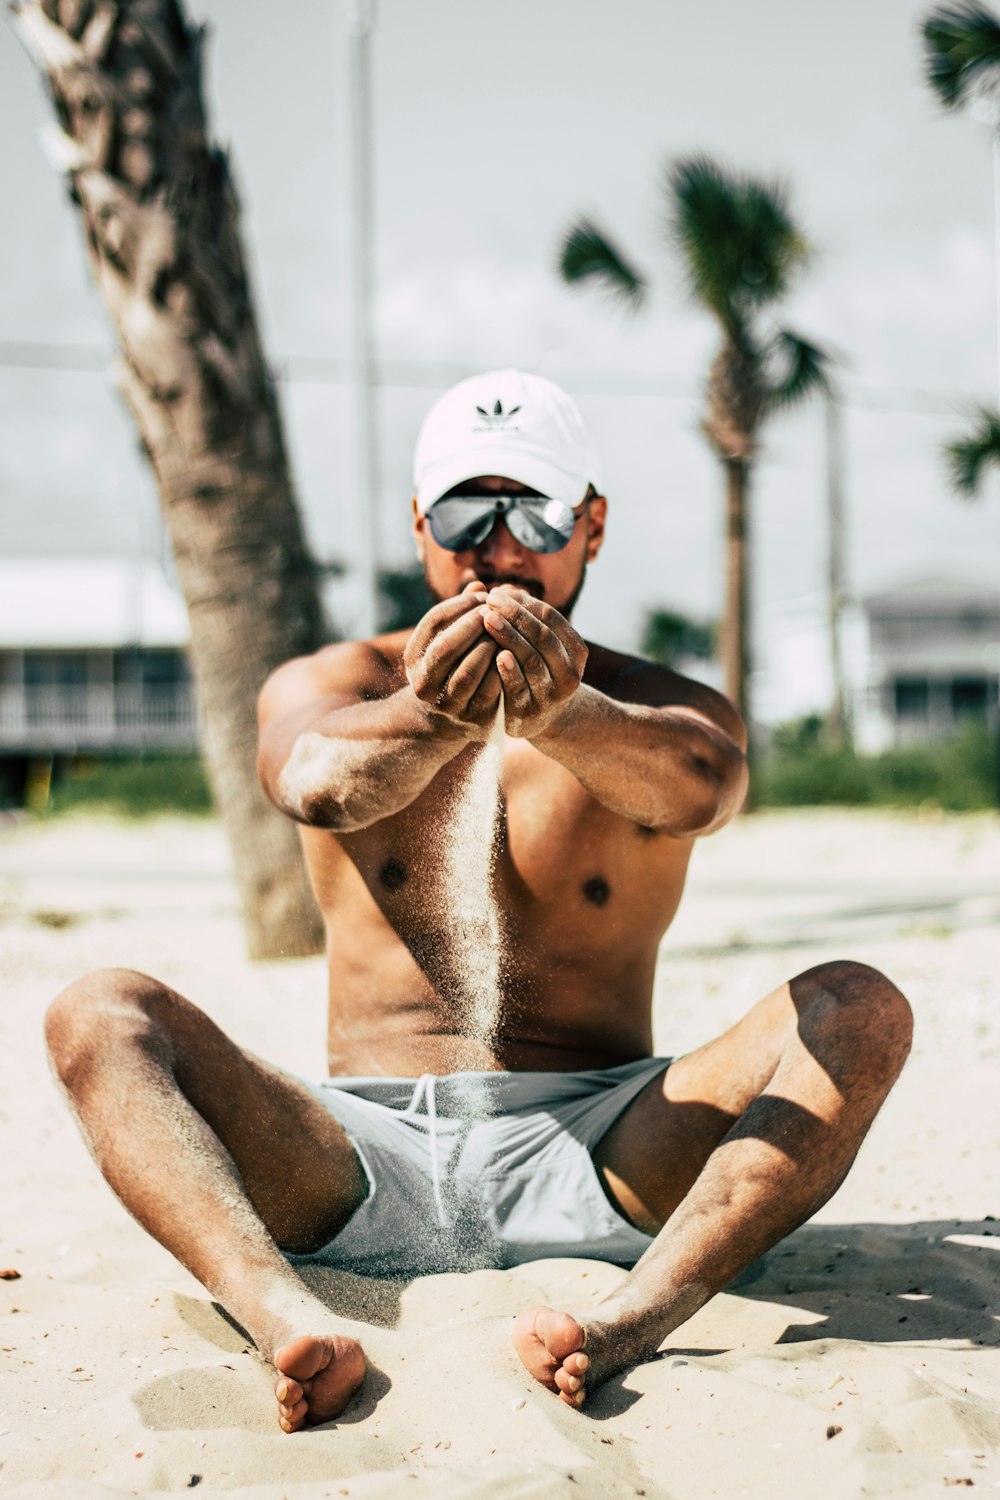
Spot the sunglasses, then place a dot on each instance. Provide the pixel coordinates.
(462, 522)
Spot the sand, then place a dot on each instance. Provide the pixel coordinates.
(470, 917)
(863, 1357)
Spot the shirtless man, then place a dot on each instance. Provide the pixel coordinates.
(612, 767)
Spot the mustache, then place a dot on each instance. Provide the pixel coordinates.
(494, 580)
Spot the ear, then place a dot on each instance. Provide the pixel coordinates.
(418, 531)
(597, 511)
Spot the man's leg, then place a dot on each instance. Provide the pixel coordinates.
(222, 1158)
(731, 1150)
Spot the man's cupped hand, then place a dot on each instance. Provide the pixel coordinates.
(450, 662)
(540, 658)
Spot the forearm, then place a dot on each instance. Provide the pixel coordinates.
(670, 769)
(361, 763)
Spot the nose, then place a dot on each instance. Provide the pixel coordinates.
(500, 550)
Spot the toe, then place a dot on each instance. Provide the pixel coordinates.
(544, 1340)
(294, 1415)
(301, 1358)
(288, 1391)
(570, 1388)
(561, 1334)
(321, 1374)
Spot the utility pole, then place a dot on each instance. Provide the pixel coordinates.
(838, 723)
(995, 139)
(985, 111)
(360, 20)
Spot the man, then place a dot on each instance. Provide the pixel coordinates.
(687, 1170)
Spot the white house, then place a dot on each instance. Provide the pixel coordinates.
(92, 658)
(932, 658)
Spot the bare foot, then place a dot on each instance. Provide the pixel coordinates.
(316, 1378)
(550, 1345)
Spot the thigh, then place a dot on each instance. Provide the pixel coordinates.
(297, 1164)
(657, 1148)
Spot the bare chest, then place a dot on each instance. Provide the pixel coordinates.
(562, 863)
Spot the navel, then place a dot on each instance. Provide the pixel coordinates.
(597, 890)
(393, 874)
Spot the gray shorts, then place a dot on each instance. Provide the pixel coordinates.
(475, 1170)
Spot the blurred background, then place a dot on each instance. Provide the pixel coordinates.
(491, 133)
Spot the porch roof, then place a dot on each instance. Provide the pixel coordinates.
(76, 604)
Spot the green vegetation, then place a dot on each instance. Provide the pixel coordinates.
(968, 457)
(133, 788)
(404, 597)
(669, 637)
(799, 770)
(961, 52)
(959, 775)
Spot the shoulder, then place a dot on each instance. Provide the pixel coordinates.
(633, 679)
(346, 672)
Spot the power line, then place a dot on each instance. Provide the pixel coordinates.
(82, 359)
(313, 369)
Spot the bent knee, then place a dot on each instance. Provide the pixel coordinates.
(861, 1005)
(91, 1014)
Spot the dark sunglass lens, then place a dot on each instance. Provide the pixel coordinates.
(542, 525)
(461, 522)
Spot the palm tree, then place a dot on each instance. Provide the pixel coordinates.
(161, 221)
(741, 250)
(962, 56)
(968, 457)
(962, 49)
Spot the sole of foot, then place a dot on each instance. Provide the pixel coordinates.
(317, 1376)
(550, 1346)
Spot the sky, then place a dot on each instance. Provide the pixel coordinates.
(493, 128)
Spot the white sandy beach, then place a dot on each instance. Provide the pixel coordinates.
(862, 1358)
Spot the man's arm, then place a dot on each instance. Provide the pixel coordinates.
(671, 768)
(339, 749)
(669, 755)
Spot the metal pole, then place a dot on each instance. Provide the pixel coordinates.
(360, 19)
(995, 134)
(838, 720)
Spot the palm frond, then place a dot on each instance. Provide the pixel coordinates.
(962, 51)
(967, 457)
(800, 370)
(736, 234)
(588, 254)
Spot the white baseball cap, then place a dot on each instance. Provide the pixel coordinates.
(519, 426)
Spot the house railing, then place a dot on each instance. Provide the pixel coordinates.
(932, 722)
(39, 720)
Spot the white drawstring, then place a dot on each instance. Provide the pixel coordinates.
(425, 1093)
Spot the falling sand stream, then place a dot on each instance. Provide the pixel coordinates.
(472, 918)
(473, 939)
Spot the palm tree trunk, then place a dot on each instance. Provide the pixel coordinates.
(161, 222)
(735, 623)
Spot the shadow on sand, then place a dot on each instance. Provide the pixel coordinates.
(924, 1283)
